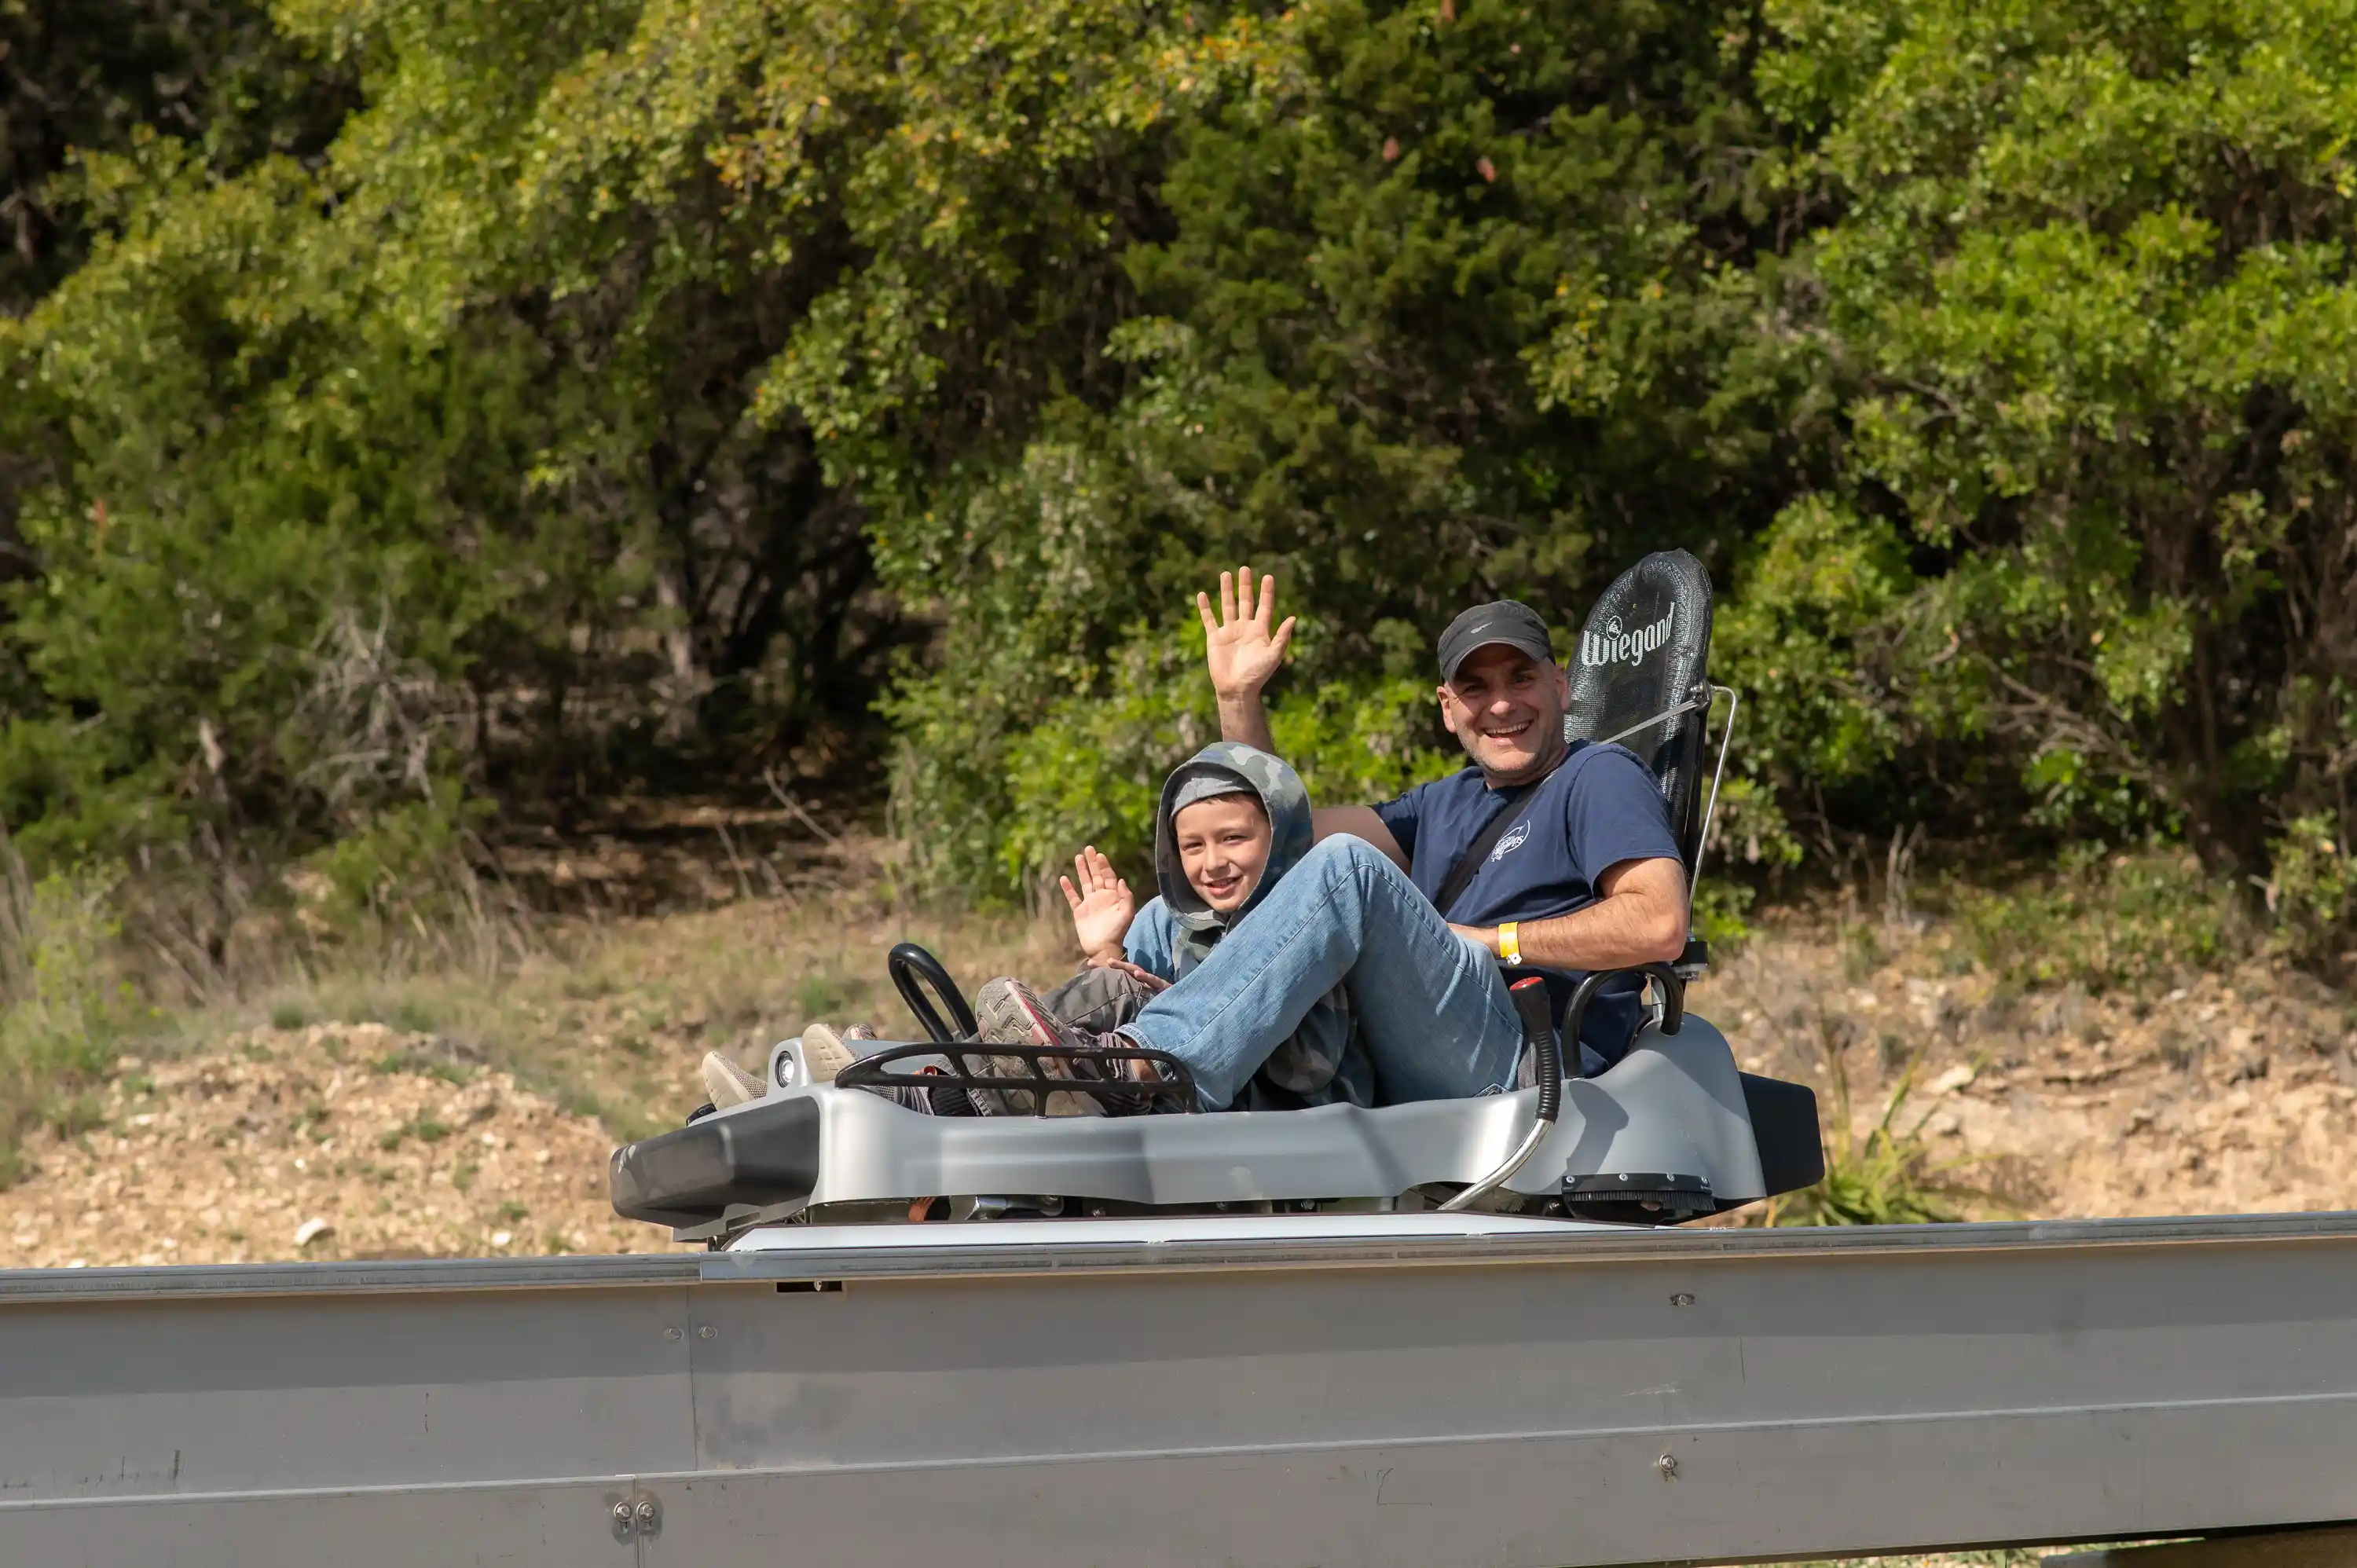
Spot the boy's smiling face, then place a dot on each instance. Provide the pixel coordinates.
(1224, 844)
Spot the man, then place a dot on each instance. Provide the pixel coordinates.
(1584, 875)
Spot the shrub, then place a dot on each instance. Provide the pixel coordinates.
(1889, 1177)
(404, 889)
(2104, 919)
(62, 1004)
(2312, 890)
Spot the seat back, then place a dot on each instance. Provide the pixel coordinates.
(1646, 650)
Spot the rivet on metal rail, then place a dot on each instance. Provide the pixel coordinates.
(705, 1332)
(1684, 1298)
(638, 1518)
(1668, 1466)
(673, 1334)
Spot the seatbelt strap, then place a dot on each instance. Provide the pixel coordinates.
(1460, 875)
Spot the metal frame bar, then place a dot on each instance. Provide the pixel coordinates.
(1710, 809)
(1507, 1395)
(1065, 1247)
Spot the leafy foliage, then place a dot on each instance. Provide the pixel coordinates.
(2092, 270)
(2103, 918)
(1440, 314)
(634, 395)
(87, 74)
(350, 491)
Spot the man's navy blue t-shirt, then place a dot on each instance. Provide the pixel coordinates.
(1598, 808)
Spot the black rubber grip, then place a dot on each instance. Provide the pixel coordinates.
(1537, 1014)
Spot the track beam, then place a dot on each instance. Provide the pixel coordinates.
(1035, 1398)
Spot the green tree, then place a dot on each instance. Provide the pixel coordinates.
(87, 74)
(632, 395)
(1450, 304)
(410, 465)
(2092, 268)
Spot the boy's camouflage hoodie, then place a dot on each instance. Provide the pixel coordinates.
(1322, 1061)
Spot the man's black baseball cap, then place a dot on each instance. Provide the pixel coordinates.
(1507, 621)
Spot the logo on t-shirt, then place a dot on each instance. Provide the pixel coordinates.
(1514, 839)
(1613, 646)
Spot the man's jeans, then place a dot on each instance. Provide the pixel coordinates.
(1430, 1006)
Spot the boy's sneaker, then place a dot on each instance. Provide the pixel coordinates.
(824, 1055)
(1012, 1013)
(823, 1052)
(999, 1018)
(728, 1084)
(1008, 1012)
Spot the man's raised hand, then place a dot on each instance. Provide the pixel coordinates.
(1238, 645)
(1102, 905)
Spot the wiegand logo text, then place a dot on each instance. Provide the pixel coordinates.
(1614, 646)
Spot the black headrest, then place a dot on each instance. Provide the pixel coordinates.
(1646, 650)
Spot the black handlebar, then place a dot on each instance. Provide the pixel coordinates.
(909, 964)
(1673, 1003)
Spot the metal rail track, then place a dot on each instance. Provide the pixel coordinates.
(1034, 1396)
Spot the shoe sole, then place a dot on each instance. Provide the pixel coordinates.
(824, 1053)
(726, 1084)
(1040, 1028)
(1000, 1017)
(1046, 1029)
(1008, 1013)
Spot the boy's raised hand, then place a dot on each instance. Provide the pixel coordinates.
(1240, 649)
(1103, 905)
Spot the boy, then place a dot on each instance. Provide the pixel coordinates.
(1233, 820)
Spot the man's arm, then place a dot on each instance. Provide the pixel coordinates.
(1242, 653)
(1359, 821)
(1641, 918)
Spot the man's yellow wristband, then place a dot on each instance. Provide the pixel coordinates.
(1509, 942)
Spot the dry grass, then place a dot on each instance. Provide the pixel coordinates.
(608, 1016)
(400, 1096)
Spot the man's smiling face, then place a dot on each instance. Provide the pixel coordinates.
(1506, 709)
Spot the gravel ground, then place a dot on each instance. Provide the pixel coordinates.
(335, 1140)
(2231, 1093)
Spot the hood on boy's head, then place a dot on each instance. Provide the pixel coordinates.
(1227, 768)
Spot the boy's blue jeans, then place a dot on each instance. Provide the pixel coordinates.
(1430, 1004)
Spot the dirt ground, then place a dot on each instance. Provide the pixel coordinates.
(453, 1115)
(479, 1119)
(2230, 1093)
(338, 1141)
